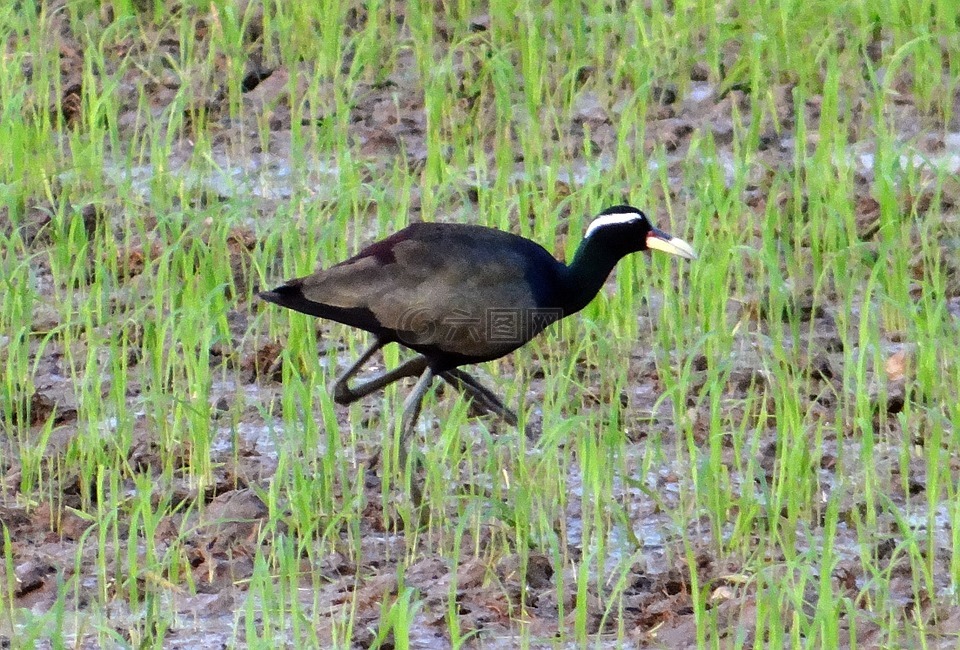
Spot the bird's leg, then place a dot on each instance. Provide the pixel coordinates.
(483, 396)
(409, 368)
(342, 394)
(411, 413)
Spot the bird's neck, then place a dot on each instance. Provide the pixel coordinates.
(590, 268)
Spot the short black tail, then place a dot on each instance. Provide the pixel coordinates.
(291, 296)
(277, 296)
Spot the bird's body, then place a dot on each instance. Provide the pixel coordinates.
(462, 294)
(458, 294)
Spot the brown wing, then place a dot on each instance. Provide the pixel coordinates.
(444, 292)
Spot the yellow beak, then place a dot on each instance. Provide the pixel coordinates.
(661, 241)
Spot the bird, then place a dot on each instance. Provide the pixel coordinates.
(462, 294)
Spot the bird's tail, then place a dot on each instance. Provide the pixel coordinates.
(290, 295)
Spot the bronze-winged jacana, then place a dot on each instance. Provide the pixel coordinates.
(461, 294)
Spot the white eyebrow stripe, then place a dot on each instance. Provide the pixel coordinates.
(611, 219)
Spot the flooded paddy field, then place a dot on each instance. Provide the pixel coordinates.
(757, 448)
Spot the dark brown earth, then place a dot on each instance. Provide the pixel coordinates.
(387, 123)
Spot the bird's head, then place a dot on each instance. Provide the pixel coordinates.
(627, 229)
